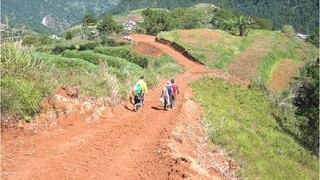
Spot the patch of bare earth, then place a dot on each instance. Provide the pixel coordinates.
(284, 75)
(194, 36)
(148, 49)
(245, 65)
(77, 137)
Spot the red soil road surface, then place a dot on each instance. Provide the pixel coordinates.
(103, 142)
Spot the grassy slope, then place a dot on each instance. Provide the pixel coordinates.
(220, 52)
(224, 48)
(242, 122)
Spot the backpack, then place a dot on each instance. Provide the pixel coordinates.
(169, 90)
(138, 90)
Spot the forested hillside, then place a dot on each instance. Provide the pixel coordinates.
(60, 14)
(302, 15)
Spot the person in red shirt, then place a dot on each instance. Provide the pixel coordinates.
(175, 92)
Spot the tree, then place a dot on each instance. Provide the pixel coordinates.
(156, 21)
(89, 19)
(314, 38)
(221, 18)
(183, 18)
(263, 23)
(69, 35)
(288, 31)
(109, 25)
(307, 101)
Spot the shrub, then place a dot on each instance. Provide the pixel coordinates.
(125, 52)
(69, 35)
(36, 40)
(306, 99)
(22, 82)
(19, 96)
(88, 46)
(97, 59)
(64, 63)
(288, 31)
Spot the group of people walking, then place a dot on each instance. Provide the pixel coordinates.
(168, 94)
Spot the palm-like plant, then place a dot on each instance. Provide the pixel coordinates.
(244, 24)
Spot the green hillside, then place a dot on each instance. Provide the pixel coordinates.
(61, 13)
(254, 57)
(242, 122)
(302, 15)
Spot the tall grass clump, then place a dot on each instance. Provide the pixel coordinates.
(23, 83)
(242, 122)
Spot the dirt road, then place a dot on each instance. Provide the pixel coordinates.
(119, 143)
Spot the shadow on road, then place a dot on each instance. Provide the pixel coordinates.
(157, 108)
(127, 108)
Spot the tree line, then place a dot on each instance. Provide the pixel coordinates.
(301, 14)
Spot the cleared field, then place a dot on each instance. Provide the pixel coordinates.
(213, 47)
(284, 74)
(253, 58)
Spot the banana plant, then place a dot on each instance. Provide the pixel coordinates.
(244, 24)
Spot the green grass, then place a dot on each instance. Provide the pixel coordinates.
(283, 48)
(97, 58)
(20, 96)
(125, 52)
(221, 53)
(65, 63)
(243, 122)
(225, 49)
(23, 83)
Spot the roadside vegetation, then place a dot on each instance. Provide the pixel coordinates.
(27, 76)
(242, 122)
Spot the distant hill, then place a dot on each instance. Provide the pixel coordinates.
(303, 15)
(51, 15)
(61, 14)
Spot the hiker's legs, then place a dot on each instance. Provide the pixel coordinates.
(136, 103)
(170, 102)
(142, 99)
(173, 102)
(166, 104)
